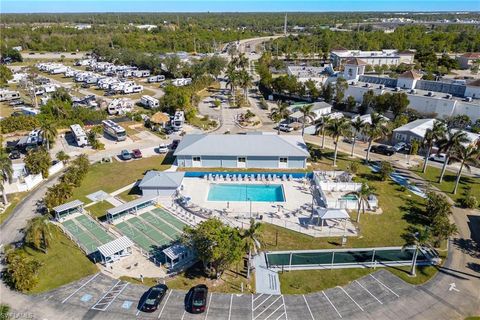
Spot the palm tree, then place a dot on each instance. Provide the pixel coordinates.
(376, 129)
(357, 126)
(49, 132)
(321, 125)
(306, 111)
(431, 136)
(279, 113)
(240, 61)
(245, 81)
(232, 76)
(418, 239)
(447, 144)
(6, 173)
(39, 233)
(337, 128)
(252, 241)
(362, 195)
(467, 156)
(62, 156)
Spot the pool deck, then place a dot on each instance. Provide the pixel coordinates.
(293, 214)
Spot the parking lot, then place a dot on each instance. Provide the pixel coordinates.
(100, 296)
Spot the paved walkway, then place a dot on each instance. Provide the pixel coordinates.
(266, 281)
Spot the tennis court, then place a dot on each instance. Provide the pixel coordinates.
(334, 258)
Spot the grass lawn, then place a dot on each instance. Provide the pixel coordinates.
(229, 282)
(14, 199)
(448, 183)
(202, 123)
(115, 175)
(131, 194)
(63, 263)
(99, 209)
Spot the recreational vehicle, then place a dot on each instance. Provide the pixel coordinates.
(178, 120)
(154, 79)
(141, 73)
(79, 135)
(114, 130)
(120, 106)
(7, 95)
(149, 102)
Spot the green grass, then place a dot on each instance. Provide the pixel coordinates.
(473, 318)
(115, 175)
(63, 263)
(202, 123)
(14, 200)
(131, 194)
(448, 183)
(99, 209)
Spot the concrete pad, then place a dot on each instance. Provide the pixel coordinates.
(98, 196)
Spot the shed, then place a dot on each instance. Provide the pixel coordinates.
(160, 183)
(322, 214)
(68, 208)
(115, 249)
(177, 256)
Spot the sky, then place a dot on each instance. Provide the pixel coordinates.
(57, 6)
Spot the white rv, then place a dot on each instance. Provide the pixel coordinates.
(158, 78)
(79, 135)
(149, 102)
(7, 95)
(120, 106)
(180, 82)
(132, 89)
(178, 121)
(141, 73)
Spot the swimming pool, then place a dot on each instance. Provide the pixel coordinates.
(349, 197)
(246, 192)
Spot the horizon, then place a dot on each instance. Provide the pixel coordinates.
(244, 6)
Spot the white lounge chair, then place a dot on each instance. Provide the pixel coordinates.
(263, 177)
(284, 177)
(290, 177)
(269, 177)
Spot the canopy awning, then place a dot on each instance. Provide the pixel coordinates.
(115, 246)
(130, 205)
(175, 251)
(325, 213)
(67, 206)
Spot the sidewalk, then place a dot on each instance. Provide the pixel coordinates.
(266, 281)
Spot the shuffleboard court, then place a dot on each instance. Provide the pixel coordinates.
(169, 218)
(149, 231)
(136, 235)
(89, 243)
(94, 229)
(160, 224)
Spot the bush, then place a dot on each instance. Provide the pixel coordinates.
(469, 201)
(353, 167)
(385, 170)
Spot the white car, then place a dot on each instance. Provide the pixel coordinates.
(285, 127)
(163, 148)
(441, 157)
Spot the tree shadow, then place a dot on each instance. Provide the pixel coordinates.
(413, 212)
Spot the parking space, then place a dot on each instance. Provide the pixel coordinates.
(127, 302)
(241, 307)
(88, 293)
(296, 307)
(174, 307)
(321, 306)
(216, 306)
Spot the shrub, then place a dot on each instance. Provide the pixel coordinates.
(469, 200)
(353, 167)
(385, 170)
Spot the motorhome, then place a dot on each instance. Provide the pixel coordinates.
(177, 121)
(7, 95)
(132, 89)
(59, 70)
(120, 106)
(141, 73)
(49, 88)
(154, 79)
(114, 130)
(149, 102)
(79, 135)
(180, 82)
(39, 91)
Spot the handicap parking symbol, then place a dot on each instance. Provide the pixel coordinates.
(86, 297)
(127, 304)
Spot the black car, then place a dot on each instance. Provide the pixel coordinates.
(197, 300)
(154, 297)
(382, 149)
(15, 154)
(174, 144)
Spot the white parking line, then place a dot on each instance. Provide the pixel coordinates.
(184, 312)
(368, 292)
(262, 303)
(271, 304)
(252, 306)
(332, 304)
(284, 308)
(163, 307)
(230, 309)
(351, 298)
(208, 306)
(281, 316)
(385, 286)
(80, 288)
(261, 294)
(271, 314)
(308, 307)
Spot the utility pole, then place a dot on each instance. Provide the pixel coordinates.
(285, 26)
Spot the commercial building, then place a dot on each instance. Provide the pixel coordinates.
(387, 57)
(468, 59)
(255, 150)
(161, 183)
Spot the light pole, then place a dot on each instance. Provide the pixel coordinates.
(250, 207)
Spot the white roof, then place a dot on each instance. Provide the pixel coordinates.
(366, 118)
(417, 127)
(110, 248)
(68, 205)
(324, 213)
(173, 252)
(131, 204)
(161, 179)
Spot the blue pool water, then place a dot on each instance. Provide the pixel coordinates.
(246, 192)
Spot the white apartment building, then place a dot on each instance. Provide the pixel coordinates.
(387, 57)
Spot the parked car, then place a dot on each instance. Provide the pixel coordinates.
(441, 157)
(15, 102)
(174, 144)
(15, 154)
(400, 146)
(348, 140)
(154, 297)
(126, 155)
(383, 149)
(163, 148)
(197, 300)
(284, 127)
(137, 154)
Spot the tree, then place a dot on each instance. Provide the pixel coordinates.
(22, 271)
(467, 156)
(252, 241)
(39, 233)
(327, 93)
(173, 64)
(418, 239)
(436, 215)
(38, 162)
(362, 195)
(376, 129)
(340, 86)
(386, 169)
(337, 128)
(62, 156)
(306, 111)
(398, 103)
(279, 113)
(381, 103)
(5, 75)
(320, 128)
(368, 102)
(245, 81)
(351, 103)
(312, 89)
(447, 144)
(215, 65)
(217, 245)
(431, 136)
(6, 172)
(49, 132)
(357, 126)
(232, 78)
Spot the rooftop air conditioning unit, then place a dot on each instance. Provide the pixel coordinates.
(468, 99)
(381, 86)
(448, 96)
(397, 88)
(430, 94)
(413, 91)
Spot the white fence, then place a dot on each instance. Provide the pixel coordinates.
(32, 180)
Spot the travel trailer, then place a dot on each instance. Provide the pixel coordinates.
(79, 135)
(7, 95)
(149, 102)
(154, 79)
(178, 120)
